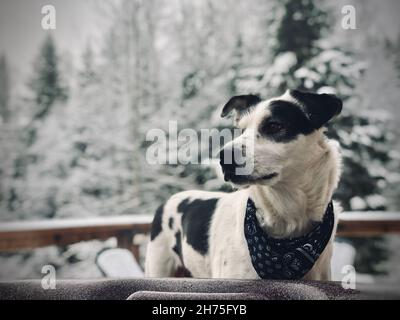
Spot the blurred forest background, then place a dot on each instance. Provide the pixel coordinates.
(72, 130)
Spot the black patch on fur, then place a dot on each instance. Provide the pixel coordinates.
(319, 108)
(178, 245)
(240, 104)
(183, 205)
(182, 272)
(196, 222)
(290, 117)
(171, 223)
(156, 227)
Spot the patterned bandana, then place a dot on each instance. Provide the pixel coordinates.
(289, 258)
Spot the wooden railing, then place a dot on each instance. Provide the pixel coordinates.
(34, 234)
(368, 224)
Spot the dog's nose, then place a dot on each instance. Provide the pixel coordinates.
(230, 159)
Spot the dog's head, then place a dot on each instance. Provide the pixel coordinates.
(275, 134)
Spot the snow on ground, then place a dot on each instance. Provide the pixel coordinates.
(78, 261)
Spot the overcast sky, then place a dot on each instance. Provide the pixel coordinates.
(77, 20)
(21, 32)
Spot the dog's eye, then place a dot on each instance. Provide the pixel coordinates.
(273, 127)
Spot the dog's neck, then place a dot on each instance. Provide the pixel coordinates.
(288, 208)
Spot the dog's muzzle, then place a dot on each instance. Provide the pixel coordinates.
(233, 164)
(231, 159)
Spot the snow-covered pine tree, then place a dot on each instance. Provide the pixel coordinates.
(97, 146)
(393, 55)
(4, 89)
(8, 141)
(122, 104)
(236, 65)
(393, 48)
(46, 83)
(305, 57)
(210, 54)
(88, 73)
(33, 187)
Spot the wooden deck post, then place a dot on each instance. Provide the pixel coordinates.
(125, 241)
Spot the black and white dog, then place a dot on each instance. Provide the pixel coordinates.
(282, 224)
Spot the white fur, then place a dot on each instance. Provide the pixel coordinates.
(309, 171)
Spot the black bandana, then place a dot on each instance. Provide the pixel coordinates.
(289, 258)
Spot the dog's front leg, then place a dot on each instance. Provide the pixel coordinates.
(322, 268)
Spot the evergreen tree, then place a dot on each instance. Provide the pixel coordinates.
(4, 90)
(303, 60)
(394, 49)
(237, 63)
(34, 190)
(9, 144)
(46, 83)
(301, 25)
(393, 55)
(87, 75)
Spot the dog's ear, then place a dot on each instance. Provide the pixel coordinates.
(240, 104)
(319, 108)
